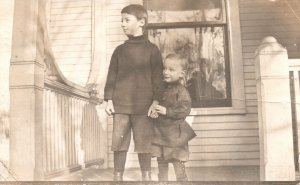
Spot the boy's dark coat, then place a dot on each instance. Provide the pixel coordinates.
(171, 130)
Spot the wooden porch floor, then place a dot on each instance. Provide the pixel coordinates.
(232, 173)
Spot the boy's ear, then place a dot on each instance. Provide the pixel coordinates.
(142, 22)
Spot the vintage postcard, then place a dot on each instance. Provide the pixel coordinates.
(149, 92)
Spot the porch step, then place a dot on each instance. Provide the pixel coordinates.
(224, 173)
(70, 170)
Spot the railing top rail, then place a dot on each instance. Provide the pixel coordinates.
(293, 63)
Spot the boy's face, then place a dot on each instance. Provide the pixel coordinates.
(173, 71)
(131, 25)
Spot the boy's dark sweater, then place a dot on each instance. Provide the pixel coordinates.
(135, 76)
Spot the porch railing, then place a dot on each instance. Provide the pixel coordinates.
(72, 129)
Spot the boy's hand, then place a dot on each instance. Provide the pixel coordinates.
(161, 109)
(151, 112)
(109, 108)
(154, 114)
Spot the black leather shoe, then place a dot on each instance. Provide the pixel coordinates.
(118, 176)
(146, 176)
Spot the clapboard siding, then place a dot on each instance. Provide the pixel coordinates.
(250, 89)
(74, 48)
(267, 22)
(251, 9)
(64, 17)
(249, 75)
(71, 10)
(224, 148)
(197, 156)
(64, 23)
(55, 30)
(71, 35)
(202, 163)
(265, 18)
(71, 4)
(279, 35)
(251, 103)
(277, 28)
(207, 130)
(78, 61)
(71, 42)
(72, 55)
(250, 83)
(223, 133)
(246, 140)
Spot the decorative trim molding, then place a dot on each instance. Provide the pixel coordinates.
(26, 87)
(26, 63)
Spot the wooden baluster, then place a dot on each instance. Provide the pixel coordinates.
(71, 132)
(67, 131)
(58, 124)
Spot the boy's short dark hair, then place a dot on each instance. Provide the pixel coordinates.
(137, 10)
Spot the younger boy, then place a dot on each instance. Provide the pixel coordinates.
(133, 87)
(171, 131)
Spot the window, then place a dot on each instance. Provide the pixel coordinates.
(198, 30)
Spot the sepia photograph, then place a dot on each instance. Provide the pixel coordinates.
(157, 92)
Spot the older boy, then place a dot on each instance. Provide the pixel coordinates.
(133, 88)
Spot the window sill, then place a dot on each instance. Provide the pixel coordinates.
(217, 111)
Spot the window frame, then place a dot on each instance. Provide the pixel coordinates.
(233, 49)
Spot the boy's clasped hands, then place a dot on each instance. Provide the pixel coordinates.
(156, 109)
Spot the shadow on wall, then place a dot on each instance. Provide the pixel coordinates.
(4, 125)
(5, 174)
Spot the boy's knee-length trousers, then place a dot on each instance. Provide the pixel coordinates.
(141, 126)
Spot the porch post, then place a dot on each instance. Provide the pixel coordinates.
(26, 90)
(274, 112)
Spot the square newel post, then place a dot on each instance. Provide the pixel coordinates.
(26, 90)
(274, 112)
